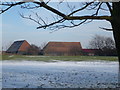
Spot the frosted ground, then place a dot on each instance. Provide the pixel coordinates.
(59, 74)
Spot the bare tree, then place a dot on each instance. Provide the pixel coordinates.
(43, 45)
(33, 50)
(75, 18)
(5, 47)
(99, 42)
(104, 45)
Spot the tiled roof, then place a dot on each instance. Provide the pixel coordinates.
(62, 46)
(16, 46)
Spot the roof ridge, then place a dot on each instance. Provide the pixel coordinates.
(19, 40)
(64, 42)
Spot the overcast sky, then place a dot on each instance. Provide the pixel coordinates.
(16, 28)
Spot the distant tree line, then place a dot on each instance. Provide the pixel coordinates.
(35, 50)
(105, 46)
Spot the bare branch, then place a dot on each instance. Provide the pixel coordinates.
(40, 18)
(48, 1)
(97, 10)
(42, 4)
(73, 17)
(110, 9)
(29, 7)
(104, 9)
(10, 5)
(93, 6)
(2, 11)
(30, 18)
(80, 8)
(70, 7)
(106, 29)
(62, 17)
(45, 26)
(88, 17)
(74, 25)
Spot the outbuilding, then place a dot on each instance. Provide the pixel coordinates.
(19, 47)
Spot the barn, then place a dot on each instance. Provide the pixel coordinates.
(19, 47)
(62, 48)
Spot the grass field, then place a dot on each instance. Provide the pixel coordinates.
(54, 58)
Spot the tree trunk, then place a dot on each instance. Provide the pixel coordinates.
(116, 31)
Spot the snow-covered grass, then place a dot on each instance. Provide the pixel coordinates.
(60, 74)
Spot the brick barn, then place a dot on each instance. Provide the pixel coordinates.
(62, 48)
(19, 47)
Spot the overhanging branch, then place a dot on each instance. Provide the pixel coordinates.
(68, 17)
(47, 25)
(9, 6)
(65, 17)
(88, 17)
(106, 29)
(109, 7)
(80, 8)
(42, 4)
